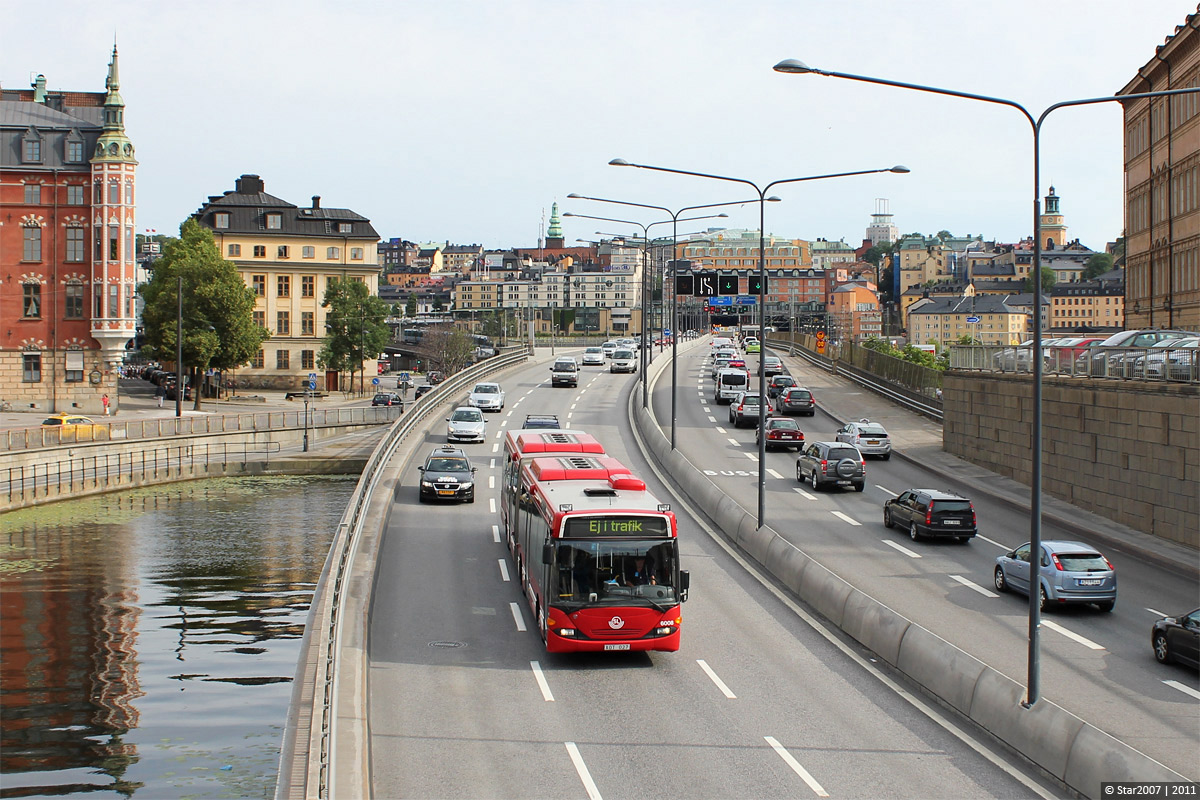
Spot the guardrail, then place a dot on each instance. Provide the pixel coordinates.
(1156, 364)
(317, 681)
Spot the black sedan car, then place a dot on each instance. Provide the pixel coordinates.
(387, 399)
(422, 390)
(1177, 639)
(447, 474)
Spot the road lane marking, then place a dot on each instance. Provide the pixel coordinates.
(510, 413)
(708, 410)
(901, 548)
(588, 784)
(503, 422)
(803, 493)
(499, 434)
(517, 618)
(721, 430)
(492, 505)
(1157, 613)
(496, 534)
(492, 463)
(570, 414)
(1185, 689)
(752, 456)
(712, 418)
(733, 441)
(795, 765)
(496, 447)
(491, 481)
(540, 677)
(712, 675)
(973, 586)
(1075, 637)
(503, 571)
(992, 541)
(846, 518)
(573, 406)
(774, 474)
(885, 489)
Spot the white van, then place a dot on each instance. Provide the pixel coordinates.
(729, 383)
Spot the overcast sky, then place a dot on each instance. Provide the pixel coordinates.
(464, 121)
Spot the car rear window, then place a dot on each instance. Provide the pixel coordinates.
(838, 453)
(785, 424)
(1082, 562)
(873, 430)
(733, 379)
(951, 505)
(799, 394)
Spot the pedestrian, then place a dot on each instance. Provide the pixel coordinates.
(104, 402)
(160, 393)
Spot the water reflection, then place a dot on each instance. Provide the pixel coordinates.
(148, 639)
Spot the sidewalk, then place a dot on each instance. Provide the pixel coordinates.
(918, 440)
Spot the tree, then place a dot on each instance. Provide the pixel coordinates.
(437, 304)
(1048, 281)
(944, 235)
(354, 327)
(410, 306)
(450, 348)
(218, 307)
(1097, 265)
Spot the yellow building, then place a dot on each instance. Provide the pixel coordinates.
(944, 320)
(289, 255)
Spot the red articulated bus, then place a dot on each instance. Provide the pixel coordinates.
(521, 446)
(598, 557)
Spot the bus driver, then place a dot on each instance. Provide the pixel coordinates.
(639, 574)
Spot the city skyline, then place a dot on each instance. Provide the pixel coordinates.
(440, 125)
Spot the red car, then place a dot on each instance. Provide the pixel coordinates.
(782, 432)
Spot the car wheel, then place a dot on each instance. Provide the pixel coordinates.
(421, 498)
(887, 518)
(887, 456)
(999, 581)
(1107, 606)
(799, 474)
(858, 487)
(1043, 601)
(913, 533)
(812, 476)
(1161, 652)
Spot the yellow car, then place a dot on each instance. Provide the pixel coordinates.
(752, 346)
(75, 428)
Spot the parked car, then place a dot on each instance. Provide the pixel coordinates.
(387, 399)
(623, 360)
(796, 400)
(933, 513)
(1170, 359)
(782, 432)
(778, 384)
(870, 438)
(831, 464)
(486, 396)
(447, 474)
(1102, 359)
(772, 366)
(75, 427)
(564, 372)
(743, 410)
(1177, 639)
(593, 356)
(466, 424)
(543, 421)
(1068, 572)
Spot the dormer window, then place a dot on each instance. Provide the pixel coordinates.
(221, 220)
(274, 221)
(31, 148)
(74, 152)
(345, 227)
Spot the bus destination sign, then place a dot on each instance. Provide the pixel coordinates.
(616, 525)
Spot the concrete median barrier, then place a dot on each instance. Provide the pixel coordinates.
(875, 625)
(940, 667)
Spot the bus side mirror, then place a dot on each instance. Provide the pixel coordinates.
(547, 553)
(685, 582)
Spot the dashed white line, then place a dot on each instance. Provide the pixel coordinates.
(573, 406)
(752, 456)
(588, 784)
(503, 422)
(1157, 613)
(846, 518)
(713, 676)
(712, 418)
(503, 571)
(499, 434)
(520, 620)
(1185, 689)
(496, 447)
(492, 505)
(803, 493)
(973, 586)
(774, 474)
(540, 677)
(510, 413)
(795, 765)
(570, 414)
(732, 441)
(885, 489)
(1072, 635)
(491, 481)
(496, 534)
(706, 410)
(721, 430)
(992, 541)
(901, 548)
(491, 463)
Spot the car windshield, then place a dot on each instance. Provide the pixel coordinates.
(785, 424)
(1082, 562)
(623, 354)
(599, 573)
(465, 415)
(838, 453)
(487, 388)
(448, 465)
(564, 365)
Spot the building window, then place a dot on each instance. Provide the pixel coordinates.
(31, 367)
(32, 236)
(221, 220)
(259, 284)
(31, 300)
(114, 301)
(283, 286)
(98, 193)
(282, 251)
(97, 301)
(74, 152)
(114, 192)
(114, 243)
(74, 195)
(129, 244)
(308, 286)
(308, 251)
(235, 251)
(306, 360)
(345, 227)
(128, 193)
(307, 326)
(274, 221)
(260, 251)
(258, 361)
(282, 359)
(129, 301)
(73, 308)
(356, 254)
(74, 366)
(260, 318)
(33, 194)
(333, 252)
(31, 152)
(283, 323)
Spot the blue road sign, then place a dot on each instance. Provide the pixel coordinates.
(404, 377)
(375, 381)
(746, 300)
(973, 320)
(727, 300)
(312, 376)
(312, 384)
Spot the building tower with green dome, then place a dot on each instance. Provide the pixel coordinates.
(554, 236)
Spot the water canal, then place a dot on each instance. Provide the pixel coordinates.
(148, 639)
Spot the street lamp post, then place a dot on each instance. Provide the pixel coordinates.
(179, 384)
(795, 67)
(762, 287)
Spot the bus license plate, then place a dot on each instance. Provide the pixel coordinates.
(616, 647)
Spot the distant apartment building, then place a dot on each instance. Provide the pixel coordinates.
(827, 254)
(461, 258)
(1162, 203)
(289, 255)
(395, 254)
(67, 258)
(943, 321)
(1089, 305)
(854, 313)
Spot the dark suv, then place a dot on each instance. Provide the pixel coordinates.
(447, 475)
(931, 512)
(831, 464)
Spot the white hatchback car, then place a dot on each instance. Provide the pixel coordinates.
(466, 424)
(486, 397)
(593, 356)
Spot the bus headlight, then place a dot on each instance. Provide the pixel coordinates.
(566, 632)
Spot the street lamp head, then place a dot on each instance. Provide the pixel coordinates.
(722, 216)
(774, 199)
(568, 214)
(573, 196)
(793, 66)
(900, 168)
(619, 162)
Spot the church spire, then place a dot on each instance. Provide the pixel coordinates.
(113, 144)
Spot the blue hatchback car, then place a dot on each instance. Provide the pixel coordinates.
(1069, 572)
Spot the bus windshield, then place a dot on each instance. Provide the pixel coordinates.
(618, 573)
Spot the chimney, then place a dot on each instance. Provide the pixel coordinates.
(39, 89)
(316, 201)
(249, 184)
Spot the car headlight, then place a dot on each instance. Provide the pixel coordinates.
(426, 484)
(465, 484)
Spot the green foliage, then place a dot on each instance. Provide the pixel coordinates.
(944, 235)
(355, 330)
(909, 353)
(218, 308)
(410, 306)
(877, 251)
(1048, 281)
(1097, 265)
(437, 304)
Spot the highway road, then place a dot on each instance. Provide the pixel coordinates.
(759, 702)
(1097, 665)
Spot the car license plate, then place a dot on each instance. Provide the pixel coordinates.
(1090, 581)
(951, 522)
(872, 441)
(843, 483)
(616, 647)
(445, 491)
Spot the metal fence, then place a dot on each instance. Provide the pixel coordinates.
(1162, 364)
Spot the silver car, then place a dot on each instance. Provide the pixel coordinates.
(466, 424)
(593, 356)
(1070, 572)
(870, 438)
(486, 397)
